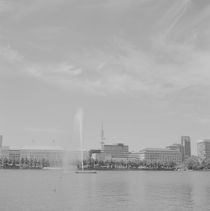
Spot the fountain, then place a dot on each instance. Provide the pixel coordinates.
(79, 120)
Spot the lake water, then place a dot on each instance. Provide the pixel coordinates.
(51, 190)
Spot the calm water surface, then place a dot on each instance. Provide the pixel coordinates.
(39, 190)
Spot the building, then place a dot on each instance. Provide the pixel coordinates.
(53, 154)
(4, 152)
(203, 147)
(115, 151)
(108, 152)
(101, 156)
(134, 156)
(186, 147)
(14, 154)
(160, 154)
(175, 147)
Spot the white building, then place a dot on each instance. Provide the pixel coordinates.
(203, 148)
(53, 154)
(160, 154)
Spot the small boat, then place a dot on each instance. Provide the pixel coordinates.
(85, 172)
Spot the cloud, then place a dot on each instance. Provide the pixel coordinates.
(173, 15)
(159, 66)
(166, 69)
(11, 61)
(10, 55)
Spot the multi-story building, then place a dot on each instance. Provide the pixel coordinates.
(134, 156)
(160, 154)
(14, 154)
(115, 151)
(101, 156)
(175, 147)
(53, 154)
(186, 147)
(203, 147)
(4, 152)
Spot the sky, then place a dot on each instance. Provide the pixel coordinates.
(142, 67)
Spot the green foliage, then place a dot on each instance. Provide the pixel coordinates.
(135, 164)
(192, 163)
(25, 163)
(205, 164)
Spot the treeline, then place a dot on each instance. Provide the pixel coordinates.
(137, 164)
(25, 163)
(191, 163)
(194, 163)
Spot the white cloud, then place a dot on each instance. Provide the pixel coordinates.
(10, 55)
(167, 68)
(126, 68)
(173, 15)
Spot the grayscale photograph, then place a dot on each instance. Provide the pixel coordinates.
(104, 105)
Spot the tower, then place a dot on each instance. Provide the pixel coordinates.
(186, 147)
(102, 136)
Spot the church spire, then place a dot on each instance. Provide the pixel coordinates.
(102, 134)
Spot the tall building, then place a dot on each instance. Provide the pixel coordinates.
(203, 147)
(186, 147)
(159, 154)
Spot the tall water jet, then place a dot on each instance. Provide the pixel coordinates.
(79, 118)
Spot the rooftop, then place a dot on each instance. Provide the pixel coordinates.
(203, 141)
(159, 150)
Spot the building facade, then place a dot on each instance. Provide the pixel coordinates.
(203, 147)
(111, 152)
(175, 147)
(186, 147)
(53, 154)
(160, 154)
(14, 154)
(115, 151)
(4, 152)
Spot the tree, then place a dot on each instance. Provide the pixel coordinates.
(171, 164)
(192, 163)
(206, 163)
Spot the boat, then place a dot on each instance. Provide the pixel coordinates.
(85, 172)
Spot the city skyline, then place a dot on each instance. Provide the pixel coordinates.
(141, 67)
(184, 147)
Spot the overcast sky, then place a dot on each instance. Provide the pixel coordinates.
(140, 66)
